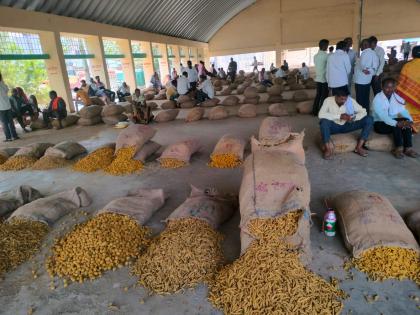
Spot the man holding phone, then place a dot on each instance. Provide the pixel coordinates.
(342, 114)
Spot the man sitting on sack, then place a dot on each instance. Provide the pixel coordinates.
(342, 114)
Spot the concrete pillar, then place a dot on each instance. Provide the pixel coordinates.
(148, 67)
(175, 58)
(279, 55)
(192, 53)
(56, 67)
(183, 55)
(127, 62)
(163, 61)
(98, 63)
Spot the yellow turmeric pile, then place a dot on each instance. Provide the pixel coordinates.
(17, 163)
(97, 160)
(50, 162)
(171, 163)
(123, 164)
(227, 160)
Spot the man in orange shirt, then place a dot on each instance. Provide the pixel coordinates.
(56, 109)
(83, 96)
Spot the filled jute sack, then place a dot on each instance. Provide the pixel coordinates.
(247, 111)
(229, 144)
(233, 86)
(70, 120)
(90, 121)
(90, 111)
(210, 103)
(167, 115)
(160, 96)
(149, 96)
(251, 92)
(368, 220)
(66, 150)
(189, 104)
(241, 89)
(277, 110)
(231, 100)
(112, 110)
(296, 86)
(168, 105)
(134, 135)
(292, 144)
(305, 107)
(226, 91)
(152, 105)
(217, 83)
(300, 96)
(195, 114)
(52, 208)
(35, 150)
(218, 112)
(140, 204)
(377, 142)
(218, 88)
(113, 120)
(184, 98)
(181, 151)
(274, 99)
(208, 205)
(275, 184)
(13, 199)
(413, 222)
(252, 100)
(343, 143)
(6, 153)
(274, 130)
(147, 151)
(38, 124)
(261, 88)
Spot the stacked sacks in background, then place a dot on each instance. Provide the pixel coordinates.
(274, 93)
(68, 121)
(149, 93)
(161, 95)
(195, 114)
(168, 105)
(90, 115)
(218, 85)
(25, 157)
(179, 154)
(166, 115)
(59, 155)
(185, 101)
(228, 152)
(211, 102)
(261, 88)
(231, 100)
(247, 111)
(277, 110)
(251, 95)
(113, 114)
(310, 84)
(227, 91)
(217, 113)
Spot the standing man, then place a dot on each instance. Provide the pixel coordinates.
(232, 68)
(320, 61)
(338, 68)
(331, 50)
(285, 65)
(352, 57)
(366, 67)
(255, 65)
(405, 48)
(6, 113)
(192, 75)
(56, 109)
(380, 52)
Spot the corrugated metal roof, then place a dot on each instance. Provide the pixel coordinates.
(191, 19)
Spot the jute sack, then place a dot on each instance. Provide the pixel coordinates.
(160, 96)
(217, 83)
(66, 150)
(218, 88)
(305, 107)
(377, 142)
(218, 112)
(233, 86)
(181, 151)
(344, 143)
(208, 205)
(195, 114)
(274, 184)
(149, 96)
(90, 111)
(146, 151)
(166, 115)
(52, 208)
(296, 86)
(35, 150)
(113, 120)
(112, 110)
(293, 144)
(261, 88)
(413, 222)
(240, 89)
(13, 199)
(247, 111)
(274, 130)
(368, 220)
(90, 121)
(274, 99)
(251, 92)
(134, 135)
(183, 99)
(152, 105)
(277, 110)
(226, 91)
(300, 96)
(139, 205)
(210, 103)
(253, 100)
(168, 105)
(70, 120)
(230, 101)
(229, 144)
(189, 104)
(278, 81)
(96, 101)
(38, 124)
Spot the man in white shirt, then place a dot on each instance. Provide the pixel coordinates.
(405, 48)
(338, 68)
(6, 117)
(342, 114)
(366, 67)
(320, 61)
(182, 84)
(222, 74)
(352, 56)
(380, 52)
(255, 65)
(280, 73)
(192, 75)
(205, 90)
(304, 71)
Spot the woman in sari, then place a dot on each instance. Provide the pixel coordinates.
(409, 87)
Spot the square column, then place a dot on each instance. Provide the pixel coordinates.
(148, 67)
(127, 62)
(98, 63)
(174, 58)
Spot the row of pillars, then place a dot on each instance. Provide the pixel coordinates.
(57, 71)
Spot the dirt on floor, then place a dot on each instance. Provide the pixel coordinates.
(379, 172)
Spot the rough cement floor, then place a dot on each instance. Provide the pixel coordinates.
(380, 172)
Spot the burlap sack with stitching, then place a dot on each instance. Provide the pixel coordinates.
(229, 144)
(66, 150)
(13, 199)
(182, 150)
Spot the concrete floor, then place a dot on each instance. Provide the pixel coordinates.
(380, 172)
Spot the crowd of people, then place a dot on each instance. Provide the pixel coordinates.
(386, 114)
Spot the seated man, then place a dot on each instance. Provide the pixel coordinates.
(110, 94)
(205, 89)
(182, 84)
(20, 108)
(171, 91)
(304, 72)
(56, 110)
(123, 91)
(391, 117)
(342, 114)
(83, 96)
(141, 112)
(94, 90)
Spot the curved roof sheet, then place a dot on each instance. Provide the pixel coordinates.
(190, 19)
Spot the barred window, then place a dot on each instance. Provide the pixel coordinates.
(74, 45)
(20, 43)
(137, 47)
(111, 47)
